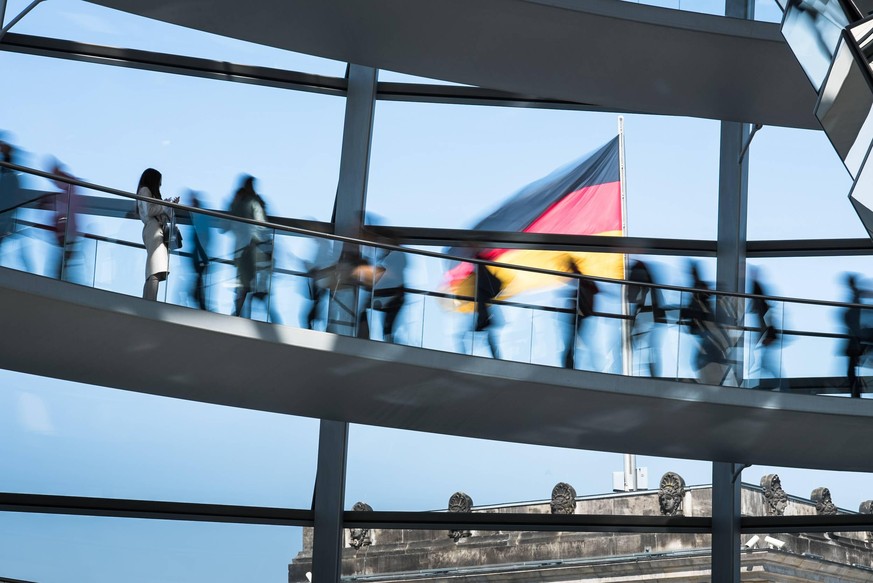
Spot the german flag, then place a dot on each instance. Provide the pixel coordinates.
(582, 198)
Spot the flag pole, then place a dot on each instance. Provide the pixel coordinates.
(626, 349)
(630, 460)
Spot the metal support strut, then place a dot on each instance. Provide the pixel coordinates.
(15, 20)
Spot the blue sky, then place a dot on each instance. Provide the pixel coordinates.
(432, 165)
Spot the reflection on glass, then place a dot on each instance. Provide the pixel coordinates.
(845, 108)
(812, 29)
(861, 194)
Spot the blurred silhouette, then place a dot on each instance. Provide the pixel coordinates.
(711, 361)
(389, 292)
(765, 332)
(66, 206)
(859, 329)
(200, 224)
(321, 272)
(582, 292)
(350, 288)
(253, 253)
(154, 217)
(645, 307)
(487, 317)
(360, 275)
(816, 23)
(10, 192)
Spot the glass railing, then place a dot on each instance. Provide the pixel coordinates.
(90, 235)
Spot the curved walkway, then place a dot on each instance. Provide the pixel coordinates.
(70, 332)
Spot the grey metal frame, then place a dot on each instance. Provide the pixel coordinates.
(234, 514)
(15, 20)
(351, 199)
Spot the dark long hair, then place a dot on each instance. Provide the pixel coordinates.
(151, 179)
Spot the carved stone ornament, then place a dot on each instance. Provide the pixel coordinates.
(866, 507)
(360, 537)
(460, 502)
(563, 499)
(823, 502)
(671, 494)
(775, 498)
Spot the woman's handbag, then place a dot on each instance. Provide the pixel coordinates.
(168, 227)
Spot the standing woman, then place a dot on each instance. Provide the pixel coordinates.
(151, 214)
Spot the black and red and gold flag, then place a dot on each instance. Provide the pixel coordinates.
(581, 198)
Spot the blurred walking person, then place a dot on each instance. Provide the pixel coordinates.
(253, 254)
(765, 332)
(646, 311)
(155, 218)
(389, 291)
(582, 292)
(10, 192)
(322, 275)
(710, 361)
(200, 224)
(66, 205)
(487, 317)
(859, 333)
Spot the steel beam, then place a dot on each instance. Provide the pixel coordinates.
(351, 192)
(17, 18)
(152, 509)
(730, 276)
(328, 500)
(172, 64)
(351, 197)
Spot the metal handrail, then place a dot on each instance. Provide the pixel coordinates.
(432, 254)
(450, 296)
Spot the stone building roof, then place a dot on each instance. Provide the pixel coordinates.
(432, 556)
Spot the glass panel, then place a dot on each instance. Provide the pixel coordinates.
(845, 108)
(472, 159)
(290, 141)
(767, 490)
(764, 340)
(812, 30)
(705, 6)
(410, 555)
(395, 77)
(812, 184)
(841, 556)
(769, 11)
(90, 23)
(818, 329)
(774, 491)
(67, 438)
(392, 469)
(861, 194)
(48, 548)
